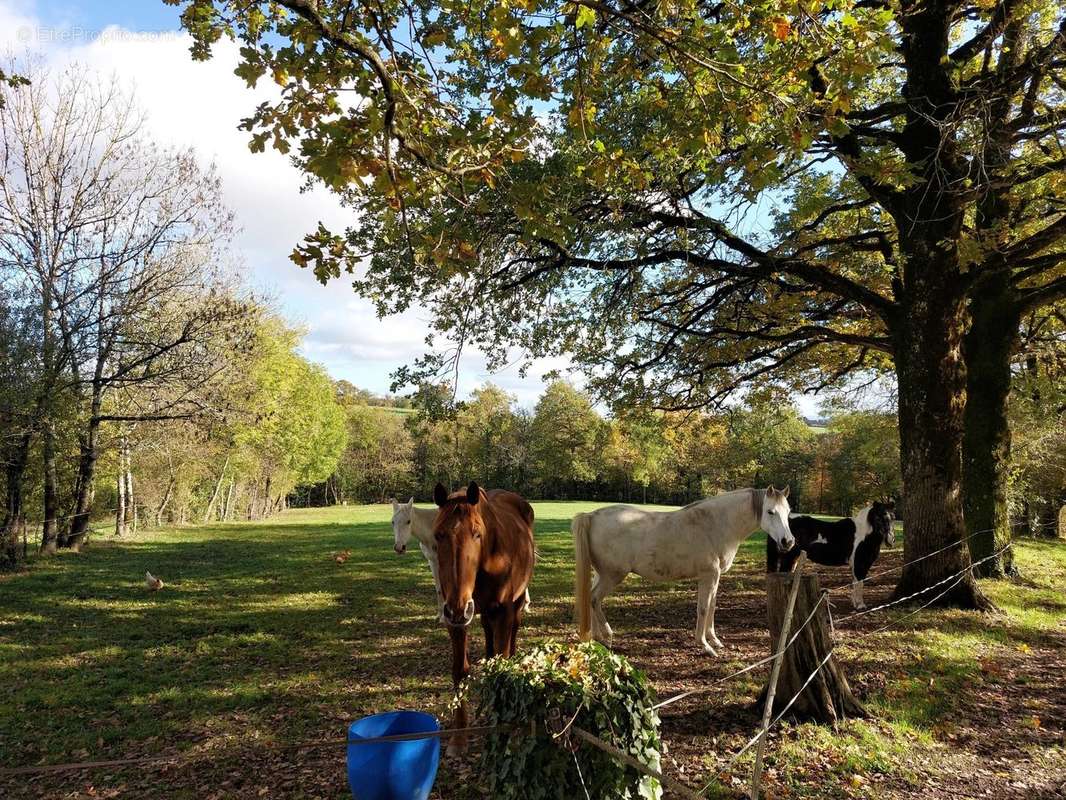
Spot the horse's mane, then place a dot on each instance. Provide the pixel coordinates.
(695, 503)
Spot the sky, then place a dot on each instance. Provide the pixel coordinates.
(199, 105)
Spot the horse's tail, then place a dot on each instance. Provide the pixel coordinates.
(581, 526)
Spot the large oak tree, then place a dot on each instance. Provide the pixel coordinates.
(689, 195)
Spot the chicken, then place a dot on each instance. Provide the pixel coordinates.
(342, 556)
(151, 582)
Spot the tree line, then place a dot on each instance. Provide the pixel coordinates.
(565, 449)
(128, 345)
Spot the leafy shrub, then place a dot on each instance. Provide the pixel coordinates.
(551, 685)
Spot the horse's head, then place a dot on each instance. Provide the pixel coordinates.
(458, 530)
(401, 524)
(774, 521)
(880, 518)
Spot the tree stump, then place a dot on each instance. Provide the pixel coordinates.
(827, 698)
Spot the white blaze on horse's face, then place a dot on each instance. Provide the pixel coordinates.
(401, 524)
(458, 533)
(775, 511)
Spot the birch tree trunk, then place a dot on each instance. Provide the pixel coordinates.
(215, 493)
(120, 509)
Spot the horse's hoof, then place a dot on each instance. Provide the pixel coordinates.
(718, 642)
(708, 649)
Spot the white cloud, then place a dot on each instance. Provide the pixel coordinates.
(200, 104)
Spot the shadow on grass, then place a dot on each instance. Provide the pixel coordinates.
(259, 632)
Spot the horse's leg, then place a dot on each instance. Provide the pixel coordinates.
(705, 603)
(434, 568)
(503, 630)
(786, 560)
(487, 620)
(772, 556)
(460, 669)
(712, 604)
(520, 607)
(605, 583)
(856, 593)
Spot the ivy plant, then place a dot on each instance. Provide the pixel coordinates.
(554, 687)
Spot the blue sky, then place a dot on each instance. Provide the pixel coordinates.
(138, 15)
(199, 105)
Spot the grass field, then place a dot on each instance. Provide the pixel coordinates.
(260, 640)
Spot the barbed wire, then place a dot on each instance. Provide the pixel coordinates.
(898, 567)
(749, 668)
(476, 730)
(960, 574)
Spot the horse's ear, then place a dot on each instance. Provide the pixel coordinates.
(784, 492)
(411, 502)
(473, 493)
(394, 503)
(770, 491)
(440, 495)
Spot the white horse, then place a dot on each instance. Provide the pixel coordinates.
(408, 521)
(697, 541)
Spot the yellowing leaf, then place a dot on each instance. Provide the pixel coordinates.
(782, 28)
(585, 16)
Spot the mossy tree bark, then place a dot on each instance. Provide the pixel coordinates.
(932, 398)
(990, 345)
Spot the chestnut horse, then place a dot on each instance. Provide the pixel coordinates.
(484, 543)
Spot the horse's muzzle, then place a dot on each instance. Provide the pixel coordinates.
(453, 619)
(401, 548)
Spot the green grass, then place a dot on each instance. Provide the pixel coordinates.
(259, 635)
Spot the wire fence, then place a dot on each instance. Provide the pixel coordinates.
(871, 576)
(571, 730)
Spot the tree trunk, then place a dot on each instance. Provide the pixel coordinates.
(79, 524)
(931, 380)
(50, 529)
(214, 494)
(990, 344)
(827, 698)
(253, 499)
(131, 501)
(993, 338)
(229, 501)
(164, 502)
(1047, 516)
(120, 505)
(15, 471)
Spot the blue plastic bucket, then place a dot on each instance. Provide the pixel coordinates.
(393, 770)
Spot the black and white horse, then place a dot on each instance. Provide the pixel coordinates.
(855, 542)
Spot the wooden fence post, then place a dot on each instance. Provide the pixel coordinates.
(775, 673)
(808, 669)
